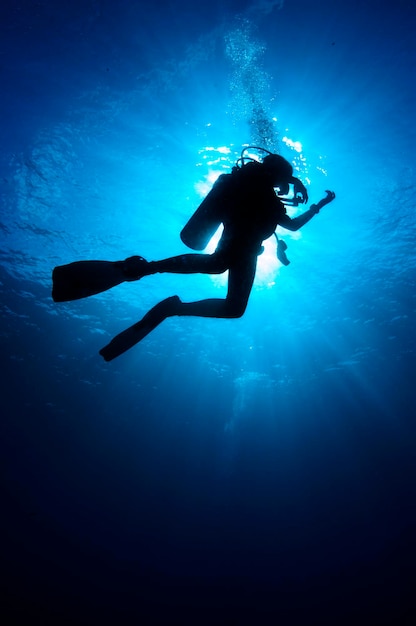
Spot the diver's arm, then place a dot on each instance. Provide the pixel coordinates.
(294, 223)
(297, 222)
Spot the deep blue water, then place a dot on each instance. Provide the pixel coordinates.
(251, 471)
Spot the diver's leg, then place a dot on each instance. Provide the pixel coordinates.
(86, 278)
(216, 263)
(240, 281)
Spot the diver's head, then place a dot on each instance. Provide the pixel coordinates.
(279, 170)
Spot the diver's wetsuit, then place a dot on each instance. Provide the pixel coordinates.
(251, 211)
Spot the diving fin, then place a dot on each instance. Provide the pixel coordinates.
(87, 278)
(129, 337)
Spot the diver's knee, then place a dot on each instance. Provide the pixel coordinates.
(220, 263)
(235, 309)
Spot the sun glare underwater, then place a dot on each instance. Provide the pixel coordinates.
(223, 471)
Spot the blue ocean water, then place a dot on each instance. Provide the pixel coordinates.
(250, 471)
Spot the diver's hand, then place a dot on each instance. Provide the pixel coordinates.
(330, 195)
(299, 189)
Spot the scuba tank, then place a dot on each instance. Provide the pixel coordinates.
(203, 224)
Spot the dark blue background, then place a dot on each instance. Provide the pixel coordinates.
(253, 471)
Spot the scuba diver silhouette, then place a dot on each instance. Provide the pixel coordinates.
(250, 202)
